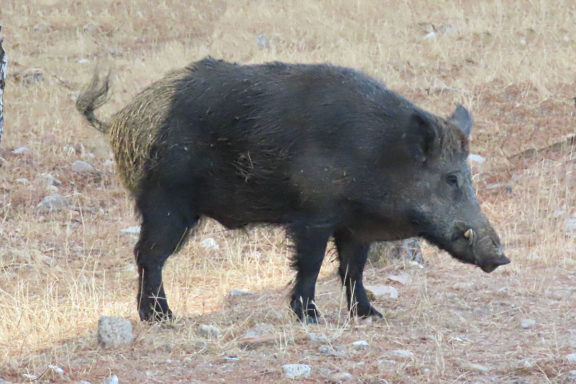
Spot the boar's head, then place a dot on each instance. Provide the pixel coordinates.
(439, 199)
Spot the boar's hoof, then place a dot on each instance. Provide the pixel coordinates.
(365, 312)
(309, 315)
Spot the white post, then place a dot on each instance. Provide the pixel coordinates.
(3, 65)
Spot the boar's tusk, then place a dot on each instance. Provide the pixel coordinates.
(470, 235)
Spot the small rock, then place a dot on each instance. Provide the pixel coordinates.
(47, 180)
(83, 61)
(30, 76)
(341, 377)
(131, 230)
(209, 243)
(53, 203)
(383, 291)
(360, 344)
(263, 42)
(22, 180)
(80, 166)
(402, 353)
(208, 331)
(42, 27)
(296, 371)
(430, 35)
(92, 27)
(231, 358)
(114, 331)
(527, 323)
(473, 366)
(20, 150)
(2, 381)
(30, 376)
(571, 358)
(403, 278)
(239, 292)
(110, 380)
(260, 330)
(463, 286)
(527, 364)
(331, 351)
(318, 338)
(476, 158)
(572, 374)
(570, 226)
(56, 369)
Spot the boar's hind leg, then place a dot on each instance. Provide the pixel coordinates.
(310, 244)
(352, 255)
(166, 221)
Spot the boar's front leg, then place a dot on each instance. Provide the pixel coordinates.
(352, 255)
(310, 242)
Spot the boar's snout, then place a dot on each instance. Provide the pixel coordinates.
(486, 249)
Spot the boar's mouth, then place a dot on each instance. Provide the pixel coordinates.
(487, 251)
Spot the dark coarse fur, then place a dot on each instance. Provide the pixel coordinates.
(324, 150)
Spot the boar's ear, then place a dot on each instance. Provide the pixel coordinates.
(462, 119)
(422, 138)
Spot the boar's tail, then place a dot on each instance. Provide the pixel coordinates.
(92, 97)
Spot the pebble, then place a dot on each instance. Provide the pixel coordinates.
(342, 376)
(402, 353)
(402, 278)
(527, 323)
(473, 366)
(571, 358)
(572, 373)
(114, 332)
(318, 338)
(20, 150)
(570, 226)
(53, 203)
(296, 371)
(209, 243)
(47, 180)
(110, 380)
(80, 166)
(208, 331)
(135, 230)
(476, 158)
(383, 291)
(240, 292)
(460, 286)
(260, 330)
(360, 344)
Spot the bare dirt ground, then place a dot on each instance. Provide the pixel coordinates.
(511, 63)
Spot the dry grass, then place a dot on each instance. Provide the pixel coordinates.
(512, 63)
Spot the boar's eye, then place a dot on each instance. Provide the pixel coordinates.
(452, 180)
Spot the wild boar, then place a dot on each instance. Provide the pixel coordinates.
(326, 151)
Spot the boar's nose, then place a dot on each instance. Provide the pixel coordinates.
(493, 264)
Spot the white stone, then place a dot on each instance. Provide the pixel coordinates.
(259, 330)
(476, 158)
(383, 290)
(53, 203)
(527, 323)
(296, 371)
(342, 376)
(403, 278)
(135, 230)
(46, 179)
(571, 358)
(114, 332)
(209, 331)
(20, 150)
(111, 380)
(360, 344)
(402, 353)
(209, 243)
(239, 292)
(318, 338)
(82, 167)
